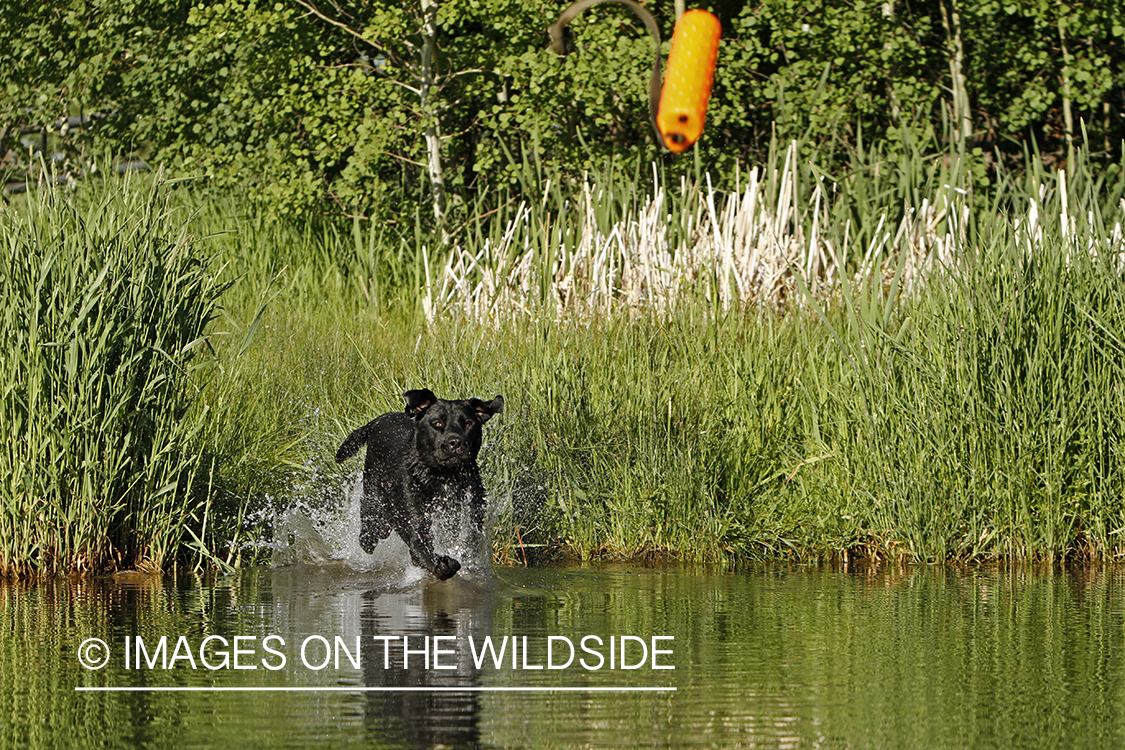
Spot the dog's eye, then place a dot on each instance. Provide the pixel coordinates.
(438, 424)
(469, 424)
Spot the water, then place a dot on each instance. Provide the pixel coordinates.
(772, 657)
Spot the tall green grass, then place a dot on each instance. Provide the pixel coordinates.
(983, 416)
(892, 360)
(946, 385)
(106, 303)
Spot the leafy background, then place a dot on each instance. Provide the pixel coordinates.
(321, 112)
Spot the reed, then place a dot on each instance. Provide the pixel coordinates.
(817, 371)
(983, 418)
(752, 246)
(889, 360)
(882, 362)
(107, 300)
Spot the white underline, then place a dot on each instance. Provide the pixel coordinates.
(367, 689)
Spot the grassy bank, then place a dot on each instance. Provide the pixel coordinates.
(883, 362)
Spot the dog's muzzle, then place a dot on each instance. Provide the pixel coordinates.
(454, 450)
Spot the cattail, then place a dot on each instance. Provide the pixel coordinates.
(687, 82)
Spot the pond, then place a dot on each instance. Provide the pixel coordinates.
(615, 657)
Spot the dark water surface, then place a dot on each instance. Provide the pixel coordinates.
(921, 657)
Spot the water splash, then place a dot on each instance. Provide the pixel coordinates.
(308, 532)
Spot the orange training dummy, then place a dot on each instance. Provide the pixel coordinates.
(687, 80)
(678, 112)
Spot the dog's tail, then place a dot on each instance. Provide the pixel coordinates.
(352, 444)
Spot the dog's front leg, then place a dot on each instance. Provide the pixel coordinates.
(423, 555)
(373, 525)
(419, 541)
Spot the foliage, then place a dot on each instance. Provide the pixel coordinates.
(104, 317)
(1042, 48)
(74, 58)
(322, 112)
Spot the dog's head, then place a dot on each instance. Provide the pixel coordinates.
(447, 434)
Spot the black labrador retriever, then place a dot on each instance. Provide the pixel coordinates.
(420, 463)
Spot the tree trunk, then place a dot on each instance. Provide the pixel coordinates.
(962, 116)
(431, 126)
(1068, 109)
(890, 14)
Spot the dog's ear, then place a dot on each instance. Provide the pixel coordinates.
(418, 401)
(486, 410)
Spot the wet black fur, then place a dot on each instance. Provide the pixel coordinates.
(420, 461)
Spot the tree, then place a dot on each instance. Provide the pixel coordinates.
(69, 64)
(384, 36)
(409, 113)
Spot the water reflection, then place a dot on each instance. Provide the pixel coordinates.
(776, 657)
(409, 639)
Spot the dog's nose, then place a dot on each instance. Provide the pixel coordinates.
(454, 443)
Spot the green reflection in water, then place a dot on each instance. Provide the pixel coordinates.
(773, 657)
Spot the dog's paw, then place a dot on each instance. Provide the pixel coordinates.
(367, 539)
(446, 568)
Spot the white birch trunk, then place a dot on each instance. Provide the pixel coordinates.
(962, 116)
(431, 126)
(1068, 108)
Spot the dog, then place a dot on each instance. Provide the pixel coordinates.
(421, 463)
